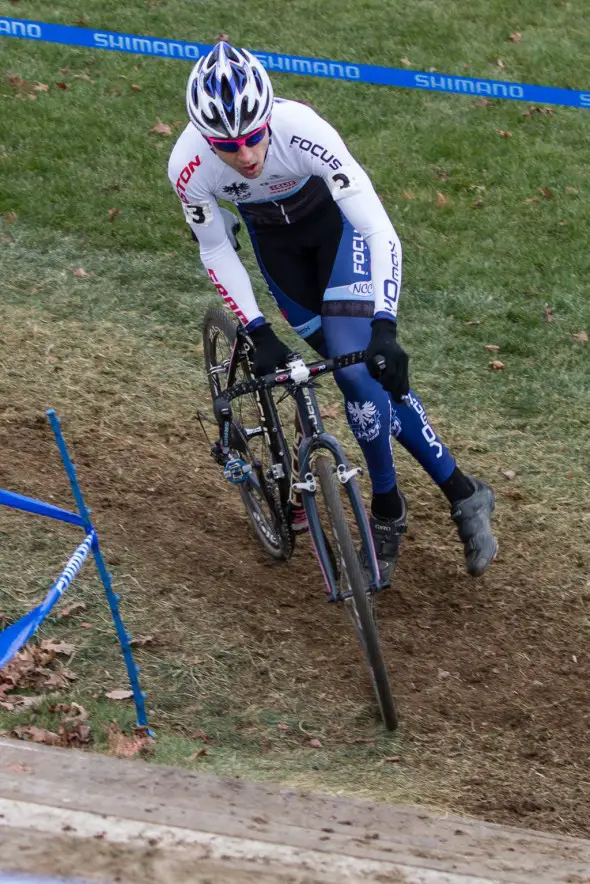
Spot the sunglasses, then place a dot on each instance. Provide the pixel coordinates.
(232, 145)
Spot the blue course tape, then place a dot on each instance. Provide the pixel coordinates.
(296, 64)
(14, 637)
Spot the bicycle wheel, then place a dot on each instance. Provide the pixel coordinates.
(261, 493)
(360, 604)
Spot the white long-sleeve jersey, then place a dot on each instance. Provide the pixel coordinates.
(303, 147)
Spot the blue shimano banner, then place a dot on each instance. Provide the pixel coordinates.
(295, 64)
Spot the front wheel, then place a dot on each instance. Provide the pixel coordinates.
(360, 603)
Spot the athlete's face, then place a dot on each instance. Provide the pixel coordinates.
(248, 161)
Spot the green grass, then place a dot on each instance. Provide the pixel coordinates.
(119, 350)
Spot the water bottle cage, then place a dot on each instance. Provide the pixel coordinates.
(236, 470)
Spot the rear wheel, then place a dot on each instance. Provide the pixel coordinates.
(360, 604)
(265, 489)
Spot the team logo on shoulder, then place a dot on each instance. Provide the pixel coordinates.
(237, 191)
(344, 183)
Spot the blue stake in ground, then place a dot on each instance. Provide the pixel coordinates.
(16, 635)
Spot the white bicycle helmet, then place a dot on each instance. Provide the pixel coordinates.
(229, 93)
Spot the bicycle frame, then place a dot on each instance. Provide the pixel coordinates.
(298, 379)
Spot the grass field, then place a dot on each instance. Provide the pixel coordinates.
(492, 677)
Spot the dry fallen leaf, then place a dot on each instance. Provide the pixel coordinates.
(35, 734)
(198, 754)
(20, 701)
(71, 609)
(315, 743)
(548, 194)
(472, 322)
(283, 727)
(405, 61)
(477, 204)
(41, 87)
(548, 313)
(161, 129)
(62, 85)
(408, 194)
(113, 214)
(141, 640)
(510, 474)
(492, 347)
(57, 647)
(59, 679)
(580, 337)
(392, 758)
(496, 365)
(441, 199)
(223, 37)
(500, 63)
(483, 102)
(119, 694)
(331, 411)
(532, 199)
(9, 217)
(505, 133)
(135, 87)
(74, 733)
(71, 711)
(545, 111)
(515, 37)
(80, 272)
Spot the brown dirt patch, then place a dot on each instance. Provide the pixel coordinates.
(491, 675)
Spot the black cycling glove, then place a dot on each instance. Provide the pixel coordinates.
(393, 376)
(269, 351)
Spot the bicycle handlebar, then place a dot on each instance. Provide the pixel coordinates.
(298, 372)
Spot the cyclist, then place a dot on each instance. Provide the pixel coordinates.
(332, 262)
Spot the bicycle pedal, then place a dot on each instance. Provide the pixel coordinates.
(237, 470)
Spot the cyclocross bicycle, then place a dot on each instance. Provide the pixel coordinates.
(255, 456)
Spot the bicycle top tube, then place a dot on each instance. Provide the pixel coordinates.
(297, 372)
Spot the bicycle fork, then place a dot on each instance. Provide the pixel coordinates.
(308, 487)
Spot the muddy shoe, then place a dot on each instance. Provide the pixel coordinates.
(297, 519)
(472, 518)
(387, 535)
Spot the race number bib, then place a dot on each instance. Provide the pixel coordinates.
(198, 213)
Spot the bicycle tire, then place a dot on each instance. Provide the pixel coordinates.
(257, 492)
(363, 617)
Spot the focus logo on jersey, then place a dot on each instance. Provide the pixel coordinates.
(360, 257)
(391, 286)
(316, 150)
(185, 177)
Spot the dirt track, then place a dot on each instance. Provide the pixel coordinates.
(126, 821)
(491, 676)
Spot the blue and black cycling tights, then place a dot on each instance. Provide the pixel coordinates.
(309, 269)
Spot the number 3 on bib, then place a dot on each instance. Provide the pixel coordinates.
(198, 213)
